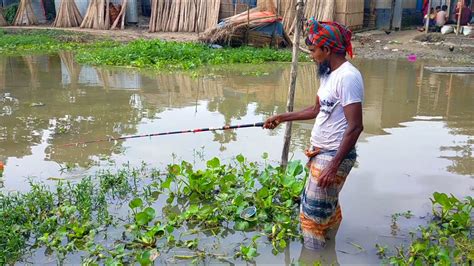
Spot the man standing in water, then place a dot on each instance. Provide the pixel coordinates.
(338, 113)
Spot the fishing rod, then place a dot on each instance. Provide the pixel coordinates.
(260, 124)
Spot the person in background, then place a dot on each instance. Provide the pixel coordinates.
(466, 14)
(432, 20)
(441, 17)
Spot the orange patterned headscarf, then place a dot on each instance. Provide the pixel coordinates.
(331, 34)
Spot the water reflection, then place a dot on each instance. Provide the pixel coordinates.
(68, 102)
(413, 120)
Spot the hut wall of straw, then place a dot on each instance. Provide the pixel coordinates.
(323, 10)
(3, 22)
(184, 15)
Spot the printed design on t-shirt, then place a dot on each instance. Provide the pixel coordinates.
(326, 106)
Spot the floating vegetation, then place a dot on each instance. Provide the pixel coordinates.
(151, 54)
(446, 240)
(168, 215)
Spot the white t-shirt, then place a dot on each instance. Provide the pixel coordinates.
(342, 87)
(441, 18)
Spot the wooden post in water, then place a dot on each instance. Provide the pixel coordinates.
(293, 74)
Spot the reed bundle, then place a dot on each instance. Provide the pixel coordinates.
(3, 22)
(25, 14)
(183, 15)
(322, 10)
(97, 15)
(68, 15)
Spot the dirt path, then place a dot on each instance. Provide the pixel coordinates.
(371, 44)
(129, 34)
(445, 48)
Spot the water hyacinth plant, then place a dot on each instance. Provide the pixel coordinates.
(446, 240)
(151, 54)
(140, 215)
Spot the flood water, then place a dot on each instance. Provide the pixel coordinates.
(418, 136)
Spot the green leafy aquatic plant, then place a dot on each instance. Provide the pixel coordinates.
(72, 218)
(446, 240)
(151, 54)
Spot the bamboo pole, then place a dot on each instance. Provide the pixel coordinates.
(459, 18)
(121, 16)
(292, 87)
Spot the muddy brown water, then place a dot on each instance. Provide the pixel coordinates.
(418, 137)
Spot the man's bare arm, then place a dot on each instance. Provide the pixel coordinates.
(308, 113)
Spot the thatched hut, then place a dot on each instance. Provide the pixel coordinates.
(183, 16)
(258, 26)
(250, 24)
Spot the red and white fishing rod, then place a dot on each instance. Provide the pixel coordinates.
(227, 127)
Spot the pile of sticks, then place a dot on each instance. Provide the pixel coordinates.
(98, 15)
(322, 10)
(120, 19)
(68, 15)
(183, 15)
(25, 14)
(242, 25)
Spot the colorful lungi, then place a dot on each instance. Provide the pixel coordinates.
(320, 210)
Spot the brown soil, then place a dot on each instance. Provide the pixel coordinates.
(445, 48)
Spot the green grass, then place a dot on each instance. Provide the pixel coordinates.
(151, 54)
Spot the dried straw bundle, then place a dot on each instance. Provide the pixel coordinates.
(97, 15)
(68, 15)
(240, 24)
(25, 14)
(323, 10)
(3, 22)
(183, 15)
